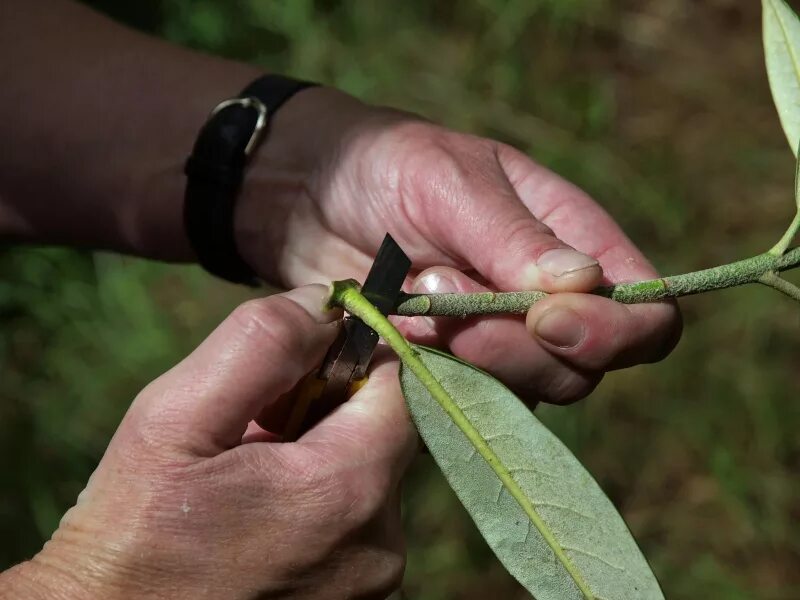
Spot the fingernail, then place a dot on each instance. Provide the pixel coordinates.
(313, 298)
(428, 283)
(433, 283)
(561, 327)
(563, 261)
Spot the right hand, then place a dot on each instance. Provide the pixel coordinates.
(192, 501)
(474, 215)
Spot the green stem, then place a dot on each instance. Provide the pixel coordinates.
(787, 238)
(774, 281)
(780, 248)
(750, 270)
(347, 295)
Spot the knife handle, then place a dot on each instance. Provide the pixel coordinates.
(310, 404)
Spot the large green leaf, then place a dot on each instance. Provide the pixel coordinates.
(540, 511)
(782, 52)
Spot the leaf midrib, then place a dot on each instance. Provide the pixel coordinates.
(359, 306)
(496, 464)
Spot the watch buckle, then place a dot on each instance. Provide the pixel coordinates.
(261, 122)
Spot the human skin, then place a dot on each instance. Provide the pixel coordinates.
(191, 499)
(96, 122)
(99, 164)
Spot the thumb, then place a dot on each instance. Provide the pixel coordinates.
(484, 221)
(370, 434)
(259, 352)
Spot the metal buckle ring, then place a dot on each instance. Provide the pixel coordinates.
(261, 122)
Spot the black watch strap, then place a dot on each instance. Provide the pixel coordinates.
(215, 171)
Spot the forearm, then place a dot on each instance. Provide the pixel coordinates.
(96, 121)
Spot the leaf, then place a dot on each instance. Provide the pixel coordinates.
(797, 182)
(539, 510)
(782, 53)
(537, 507)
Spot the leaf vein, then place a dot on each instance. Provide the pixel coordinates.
(594, 556)
(565, 508)
(499, 493)
(513, 470)
(498, 436)
(467, 407)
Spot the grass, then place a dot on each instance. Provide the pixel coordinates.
(660, 110)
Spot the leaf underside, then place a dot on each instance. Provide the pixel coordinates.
(782, 54)
(797, 182)
(575, 544)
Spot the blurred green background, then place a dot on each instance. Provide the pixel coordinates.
(660, 109)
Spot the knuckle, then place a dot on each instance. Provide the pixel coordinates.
(351, 502)
(322, 494)
(394, 568)
(669, 329)
(649, 337)
(258, 317)
(274, 322)
(351, 498)
(256, 465)
(568, 387)
(154, 427)
(429, 156)
(443, 163)
(527, 234)
(385, 576)
(415, 134)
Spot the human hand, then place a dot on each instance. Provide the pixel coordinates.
(192, 501)
(331, 178)
(476, 214)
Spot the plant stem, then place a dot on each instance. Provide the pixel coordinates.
(787, 238)
(780, 248)
(775, 281)
(750, 270)
(348, 295)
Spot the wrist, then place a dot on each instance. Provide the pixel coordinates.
(216, 169)
(151, 220)
(282, 172)
(293, 171)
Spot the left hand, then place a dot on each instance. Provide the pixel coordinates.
(336, 174)
(192, 501)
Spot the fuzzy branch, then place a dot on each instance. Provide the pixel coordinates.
(758, 269)
(777, 282)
